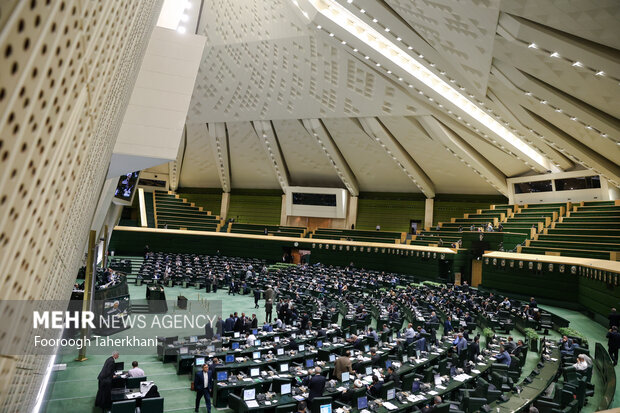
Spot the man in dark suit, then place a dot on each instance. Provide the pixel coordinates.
(473, 350)
(315, 384)
(229, 324)
(614, 318)
(613, 344)
(375, 389)
(256, 296)
(268, 310)
(392, 376)
(254, 322)
(104, 393)
(203, 384)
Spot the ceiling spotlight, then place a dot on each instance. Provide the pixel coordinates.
(578, 64)
(184, 17)
(362, 11)
(573, 118)
(181, 29)
(374, 20)
(389, 72)
(532, 46)
(409, 47)
(349, 1)
(378, 64)
(600, 73)
(555, 54)
(387, 29)
(319, 27)
(331, 35)
(558, 110)
(343, 42)
(366, 57)
(355, 50)
(398, 39)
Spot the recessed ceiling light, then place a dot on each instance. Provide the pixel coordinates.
(555, 54)
(362, 11)
(355, 50)
(398, 39)
(181, 29)
(374, 20)
(577, 64)
(532, 46)
(331, 35)
(319, 27)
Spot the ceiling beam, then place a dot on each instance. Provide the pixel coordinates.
(218, 137)
(317, 129)
(174, 167)
(269, 140)
(465, 152)
(379, 133)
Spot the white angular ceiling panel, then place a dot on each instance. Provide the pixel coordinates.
(306, 162)
(249, 165)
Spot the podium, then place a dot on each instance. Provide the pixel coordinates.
(156, 298)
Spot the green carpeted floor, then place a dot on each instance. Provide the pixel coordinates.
(74, 389)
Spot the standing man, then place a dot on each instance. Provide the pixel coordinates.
(343, 363)
(256, 296)
(203, 384)
(268, 310)
(613, 343)
(104, 393)
(614, 318)
(315, 384)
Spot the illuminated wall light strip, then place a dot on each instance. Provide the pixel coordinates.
(358, 28)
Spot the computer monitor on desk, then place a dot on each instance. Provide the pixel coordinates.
(193, 339)
(368, 370)
(256, 355)
(302, 347)
(199, 361)
(280, 351)
(391, 393)
(319, 344)
(254, 372)
(235, 345)
(285, 389)
(183, 350)
(210, 348)
(119, 366)
(230, 358)
(345, 377)
(332, 358)
(236, 334)
(366, 348)
(249, 394)
(276, 339)
(254, 331)
(309, 363)
(257, 343)
(325, 408)
(362, 402)
(222, 375)
(284, 368)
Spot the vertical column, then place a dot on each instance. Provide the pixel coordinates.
(428, 212)
(283, 216)
(225, 205)
(351, 212)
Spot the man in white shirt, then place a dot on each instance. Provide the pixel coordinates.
(409, 333)
(135, 371)
(250, 339)
(581, 364)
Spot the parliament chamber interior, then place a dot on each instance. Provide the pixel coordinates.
(309, 206)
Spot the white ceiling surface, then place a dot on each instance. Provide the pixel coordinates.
(264, 61)
(306, 162)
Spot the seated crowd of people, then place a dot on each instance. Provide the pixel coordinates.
(422, 331)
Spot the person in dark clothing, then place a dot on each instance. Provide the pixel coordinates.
(392, 376)
(229, 323)
(203, 385)
(375, 388)
(256, 297)
(268, 311)
(315, 384)
(254, 322)
(613, 344)
(614, 318)
(104, 393)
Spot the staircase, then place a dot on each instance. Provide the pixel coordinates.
(174, 212)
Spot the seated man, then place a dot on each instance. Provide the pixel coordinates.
(503, 357)
(392, 376)
(135, 371)
(375, 389)
(581, 364)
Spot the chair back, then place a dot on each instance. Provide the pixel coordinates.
(126, 406)
(153, 405)
(318, 402)
(134, 382)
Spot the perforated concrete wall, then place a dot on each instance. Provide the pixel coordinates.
(68, 68)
